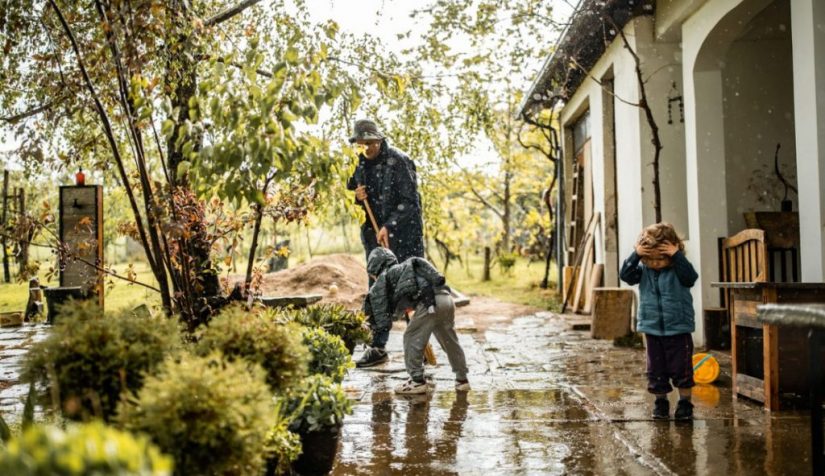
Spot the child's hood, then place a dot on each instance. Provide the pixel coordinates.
(379, 260)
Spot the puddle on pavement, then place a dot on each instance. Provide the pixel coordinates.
(544, 431)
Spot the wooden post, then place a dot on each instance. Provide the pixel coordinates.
(81, 231)
(487, 258)
(770, 355)
(6, 274)
(23, 259)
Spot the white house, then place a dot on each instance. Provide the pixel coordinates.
(735, 77)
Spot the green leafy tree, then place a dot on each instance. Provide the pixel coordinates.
(145, 89)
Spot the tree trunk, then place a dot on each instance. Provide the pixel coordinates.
(259, 218)
(23, 258)
(6, 274)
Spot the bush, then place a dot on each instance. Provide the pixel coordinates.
(320, 403)
(337, 320)
(277, 347)
(211, 415)
(330, 356)
(82, 449)
(91, 358)
(285, 445)
(507, 261)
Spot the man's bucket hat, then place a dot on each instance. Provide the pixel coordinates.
(365, 129)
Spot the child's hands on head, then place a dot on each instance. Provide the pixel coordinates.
(645, 246)
(667, 248)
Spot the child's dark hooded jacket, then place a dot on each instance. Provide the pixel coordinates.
(665, 303)
(398, 286)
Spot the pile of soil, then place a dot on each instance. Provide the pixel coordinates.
(349, 275)
(317, 276)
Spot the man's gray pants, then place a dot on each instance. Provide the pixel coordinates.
(442, 324)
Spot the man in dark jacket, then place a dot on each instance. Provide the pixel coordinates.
(412, 285)
(386, 178)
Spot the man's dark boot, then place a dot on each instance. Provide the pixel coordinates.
(373, 356)
(661, 409)
(684, 410)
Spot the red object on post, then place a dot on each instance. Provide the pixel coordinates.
(80, 178)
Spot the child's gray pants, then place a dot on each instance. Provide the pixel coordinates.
(442, 324)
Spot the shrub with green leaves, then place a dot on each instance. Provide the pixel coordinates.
(337, 320)
(276, 346)
(89, 358)
(82, 449)
(319, 404)
(330, 356)
(211, 415)
(285, 446)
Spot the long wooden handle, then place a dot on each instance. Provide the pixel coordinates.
(372, 217)
(429, 355)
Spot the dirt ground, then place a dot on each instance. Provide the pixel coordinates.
(342, 279)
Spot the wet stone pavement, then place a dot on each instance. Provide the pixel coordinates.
(14, 343)
(550, 400)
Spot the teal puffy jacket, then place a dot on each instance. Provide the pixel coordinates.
(665, 303)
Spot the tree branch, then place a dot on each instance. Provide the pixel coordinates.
(651, 122)
(82, 260)
(107, 128)
(485, 202)
(601, 83)
(31, 112)
(230, 12)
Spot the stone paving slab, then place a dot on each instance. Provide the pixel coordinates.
(549, 400)
(14, 344)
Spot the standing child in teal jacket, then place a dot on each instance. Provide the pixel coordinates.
(666, 318)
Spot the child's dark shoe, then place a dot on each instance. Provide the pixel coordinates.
(373, 356)
(661, 409)
(684, 410)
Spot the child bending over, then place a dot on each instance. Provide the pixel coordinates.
(414, 284)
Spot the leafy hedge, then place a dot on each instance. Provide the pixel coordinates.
(211, 415)
(82, 449)
(275, 346)
(91, 358)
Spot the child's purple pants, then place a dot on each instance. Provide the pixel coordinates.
(669, 358)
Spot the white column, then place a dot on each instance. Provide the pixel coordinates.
(808, 33)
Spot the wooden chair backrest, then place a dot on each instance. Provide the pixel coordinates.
(744, 259)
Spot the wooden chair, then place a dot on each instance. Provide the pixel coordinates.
(744, 260)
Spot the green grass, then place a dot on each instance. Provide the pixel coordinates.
(520, 285)
(14, 296)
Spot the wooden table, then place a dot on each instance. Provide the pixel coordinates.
(769, 362)
(810, 318)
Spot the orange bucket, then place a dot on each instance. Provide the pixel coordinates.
(705, 368)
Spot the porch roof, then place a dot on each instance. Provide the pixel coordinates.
(584, 41)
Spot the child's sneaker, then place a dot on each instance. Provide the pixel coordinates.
(411, 387)
(462, 385)
(372, 356)
(661, 409)
(684, 410)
